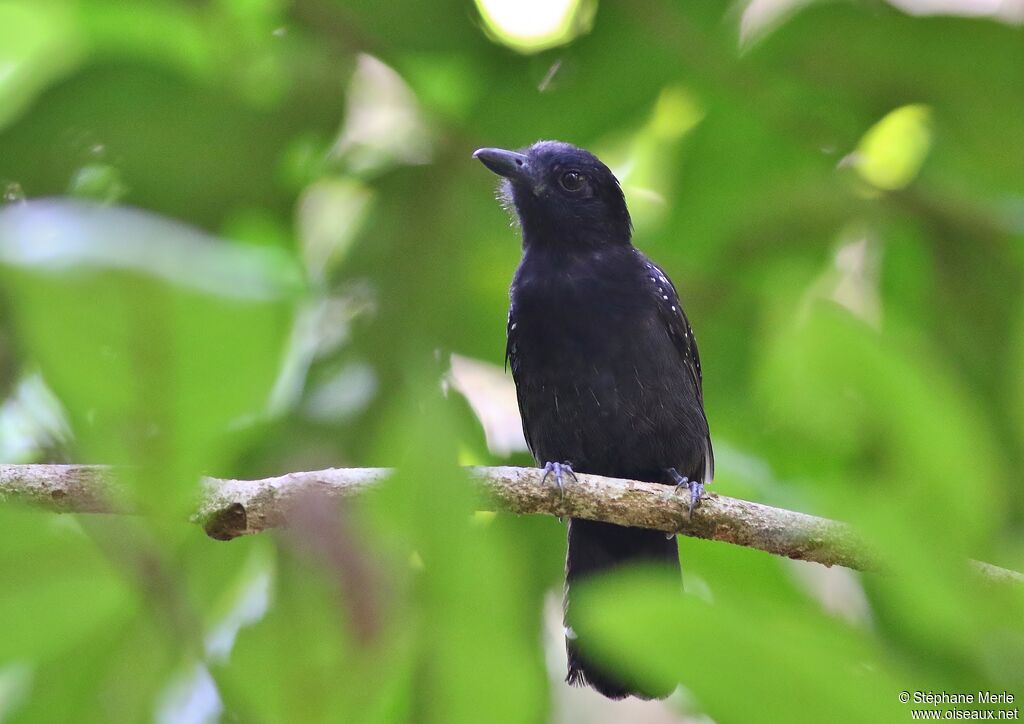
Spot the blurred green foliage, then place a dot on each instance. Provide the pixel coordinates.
(837, 190)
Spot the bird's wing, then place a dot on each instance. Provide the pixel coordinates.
(511, 351)
(681, 334)
(510, 328)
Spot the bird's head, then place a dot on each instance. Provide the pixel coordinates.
(562, 195)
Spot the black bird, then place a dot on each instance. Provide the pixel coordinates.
(604, 360)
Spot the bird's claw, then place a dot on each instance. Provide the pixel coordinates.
(557, 469)
(695, 487)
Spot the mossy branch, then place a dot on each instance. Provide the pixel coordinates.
(232, 508)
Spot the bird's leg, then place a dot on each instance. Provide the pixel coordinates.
(557, 469)
(695, 487)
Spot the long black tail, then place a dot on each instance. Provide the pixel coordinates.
(595, 547)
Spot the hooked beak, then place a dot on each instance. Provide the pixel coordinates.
(509, 164)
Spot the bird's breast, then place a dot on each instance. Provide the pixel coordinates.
(598, 377)
(592, 354)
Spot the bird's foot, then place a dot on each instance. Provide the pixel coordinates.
(695, 487)
(558, 469)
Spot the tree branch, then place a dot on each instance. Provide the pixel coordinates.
(231, 508)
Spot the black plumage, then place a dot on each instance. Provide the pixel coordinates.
(605, 363)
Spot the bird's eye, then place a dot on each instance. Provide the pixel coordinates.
(572, 180)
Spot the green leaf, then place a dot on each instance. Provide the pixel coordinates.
(743, 658)
(155, 337)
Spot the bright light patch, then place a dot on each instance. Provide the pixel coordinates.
(39, 43)
(644, 161)
(383, 125)
(492, 395)
(483, 517)
(675, 113)
(890, 154)
(530, 26)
